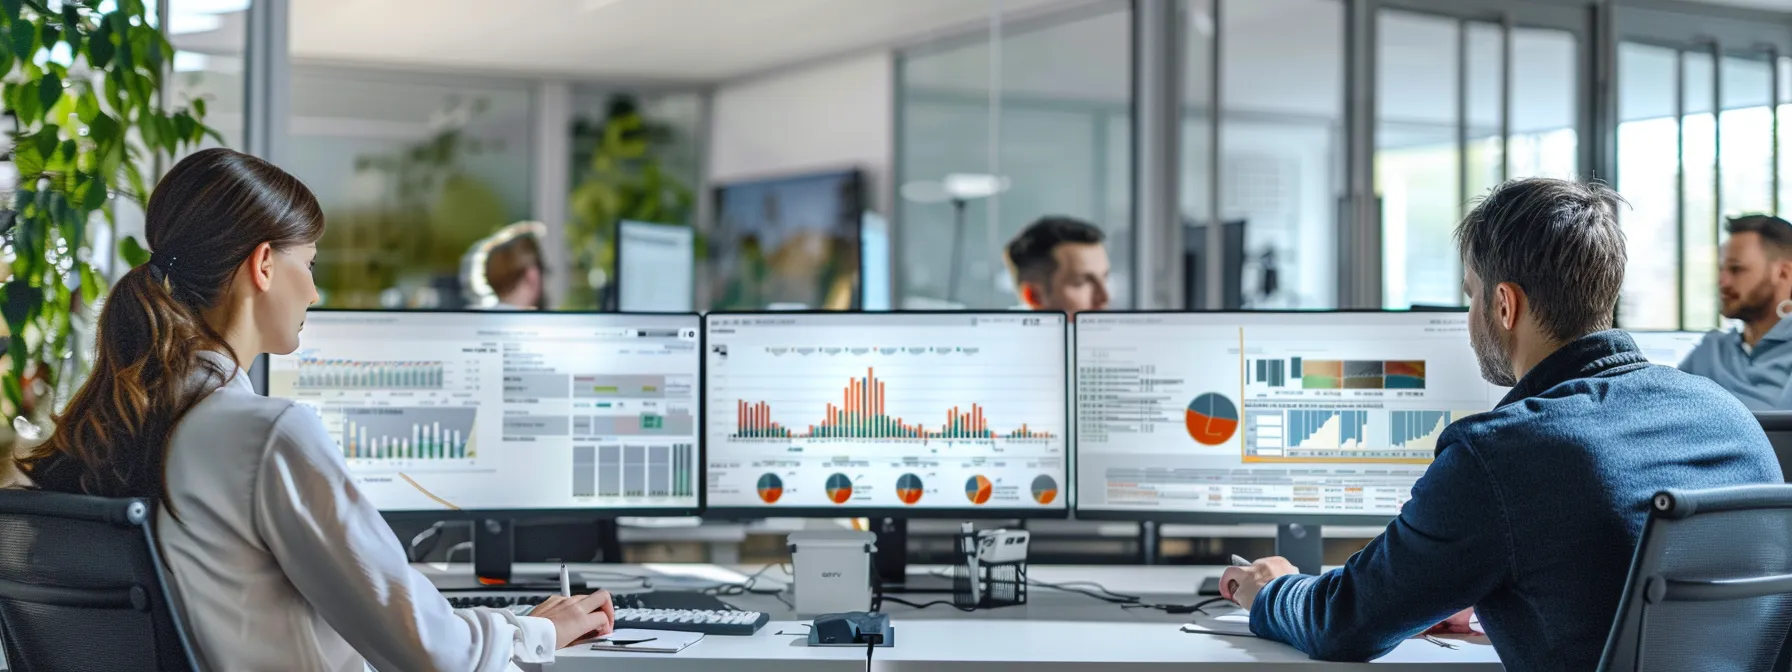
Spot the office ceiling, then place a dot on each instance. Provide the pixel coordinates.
(653, 40)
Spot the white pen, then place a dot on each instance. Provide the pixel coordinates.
(1240, 562)
(565, 582)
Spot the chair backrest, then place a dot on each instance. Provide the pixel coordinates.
(1710, 586)
(1778, 425)
(82, 587)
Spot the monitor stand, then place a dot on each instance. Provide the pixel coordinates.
(1301, 545)
(890, 563)
(494, 557)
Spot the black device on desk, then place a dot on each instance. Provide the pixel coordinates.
(852, 628)
(500, 416)
(679, 611)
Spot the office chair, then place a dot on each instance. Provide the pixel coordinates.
(1710, 586)
(1778, 426)
(82, 588)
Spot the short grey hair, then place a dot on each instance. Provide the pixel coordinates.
(1559, 241)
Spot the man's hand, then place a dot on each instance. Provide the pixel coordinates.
(1240, 584)
(578, 617)
(1455, 625)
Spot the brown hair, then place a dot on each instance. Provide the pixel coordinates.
(508, 263)
(204, 220)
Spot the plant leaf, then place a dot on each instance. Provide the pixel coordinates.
(103, 129)
(198, 107)
(11, 9)
(46, 141)
(185, 128)
(49, 91)
(90, 283)
(132, 252)
(22, 303)
(29, 161)
(24, 39)
(95, 197)
(99, 46)
(87, 108)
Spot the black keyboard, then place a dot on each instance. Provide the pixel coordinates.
(680, 611)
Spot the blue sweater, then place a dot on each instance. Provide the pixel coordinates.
(1530, 513)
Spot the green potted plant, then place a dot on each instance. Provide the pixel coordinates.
(81, 87)
(623, 180)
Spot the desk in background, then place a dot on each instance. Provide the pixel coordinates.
(1053, 631)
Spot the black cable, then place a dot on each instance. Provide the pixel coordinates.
(1125, 601)
(870, 647)
(913, 605)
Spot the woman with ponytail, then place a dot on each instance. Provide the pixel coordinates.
(276, 558)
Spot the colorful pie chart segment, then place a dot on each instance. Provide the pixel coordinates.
(1212, 419)
(908, 489)
(1045, 489)
(978, 489)
(839, 488)
(771, 488)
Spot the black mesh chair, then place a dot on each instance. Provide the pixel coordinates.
(1710, 586)
(81, 587)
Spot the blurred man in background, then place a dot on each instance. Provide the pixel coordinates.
(1754, 282)
(1059, 263)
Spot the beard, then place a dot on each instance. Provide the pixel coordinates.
(1496, 363)
(1754, 305)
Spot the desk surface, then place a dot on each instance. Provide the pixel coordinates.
(1054, 631)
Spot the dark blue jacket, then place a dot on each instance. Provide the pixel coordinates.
(1530, 513)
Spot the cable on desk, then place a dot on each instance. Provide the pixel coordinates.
(876, 603)
(1125, 601)
(746, 586)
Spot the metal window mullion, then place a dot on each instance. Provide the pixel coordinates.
(1680, 188)
(1506, 96)
(1215, 267)
(1773, 95)
(1717, 144)
(1462, 53)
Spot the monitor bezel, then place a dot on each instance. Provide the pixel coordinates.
(551, 514)
(1061, 512)
(1227, 517)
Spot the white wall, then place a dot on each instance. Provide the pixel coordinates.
(832, 115)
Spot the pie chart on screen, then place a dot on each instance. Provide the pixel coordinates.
(1212, 419)
(839, 488)
(771, 488)
(908, 489)
(978, 489)
(1045, 489)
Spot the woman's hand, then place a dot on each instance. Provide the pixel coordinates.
(578, 617)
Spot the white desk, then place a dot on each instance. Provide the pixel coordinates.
(1053, 631)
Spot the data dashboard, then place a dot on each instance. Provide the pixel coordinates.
(505, 410)
(887, 411)
(1273, 413)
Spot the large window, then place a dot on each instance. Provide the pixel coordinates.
(1050, 124)
(1446, 132)
(1280, 155)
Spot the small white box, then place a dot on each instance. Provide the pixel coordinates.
(833, 571)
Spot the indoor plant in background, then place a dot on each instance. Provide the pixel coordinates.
(624, 179)
(80, 83)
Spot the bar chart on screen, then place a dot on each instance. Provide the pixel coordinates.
(406, 434)
(860, 413)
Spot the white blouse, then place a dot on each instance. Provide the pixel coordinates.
(280, 563)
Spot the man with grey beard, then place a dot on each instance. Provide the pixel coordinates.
(1529, 513)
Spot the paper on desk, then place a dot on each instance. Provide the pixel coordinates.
(1236, 624)
(661, 641)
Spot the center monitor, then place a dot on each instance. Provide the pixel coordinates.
(1266, 417)
(887, 414)
(506, 412)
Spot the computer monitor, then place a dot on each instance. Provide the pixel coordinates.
(1667, 348)
(898, 414)
(1266, 417)
(656, 266)
(1778, 425)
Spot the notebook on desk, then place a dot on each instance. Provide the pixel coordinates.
(1236, 624)
(646, 641)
